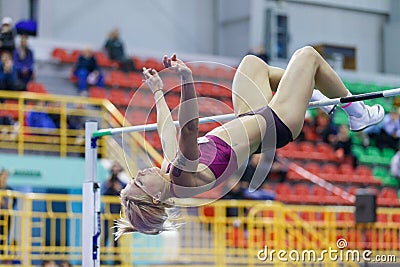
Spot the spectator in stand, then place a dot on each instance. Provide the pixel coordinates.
(390, 131)
(87, 71)
(40, 118)
(261, 53)
(74, 122)
(23, 59)
(324, 127)
(8, 74)
(7, 36)
(256, 163)
(395, 166)
(115, 51)
(342, 144)
(112, 187)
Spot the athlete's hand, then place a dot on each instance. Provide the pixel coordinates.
(177, 65)
(153, 80)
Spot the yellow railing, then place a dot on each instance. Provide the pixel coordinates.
(35, 227)
(64, 141)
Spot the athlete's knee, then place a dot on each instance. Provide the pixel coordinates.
(306, 52)
(252, 62)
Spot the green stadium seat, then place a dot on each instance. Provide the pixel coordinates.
(388, 153)
(358, 151)
(390, 181)
(340, 117)
(380, 172)
(356, 138)
(373, 155)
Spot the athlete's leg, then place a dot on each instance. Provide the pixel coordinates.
(305, 70)
(253, 83)
(251, 87)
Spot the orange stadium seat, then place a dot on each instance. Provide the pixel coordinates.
(36, 87)
(118, 97)
(173, 100)
(325, 152)
(283, 190)
(75, 55)
(313, 168)
(396, 218)
(383, 218)
(11, 108)
(104, 61)
(116, 79)
(97, 92)
(138, 117)
(135, 79)
(388, 197)
(140, 99)
(301, 193)
(153, 63)
(139, 64)
(328, 170)
(363, 170)
(60, 54)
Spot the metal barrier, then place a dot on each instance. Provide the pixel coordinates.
(64, 141)
(34, 227)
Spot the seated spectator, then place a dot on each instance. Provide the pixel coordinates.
(390, 131)
(261, 53)
(112, 187)
(324, 127)
(6, 120)
(87, 71)
(23, 60)
(40, 118)
(7, 35)
(115, 51)
(342, 144)
(395, 166)
(8, 74)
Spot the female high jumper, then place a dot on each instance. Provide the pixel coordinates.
(191, 167)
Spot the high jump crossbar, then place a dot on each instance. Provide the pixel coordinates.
(226, 117)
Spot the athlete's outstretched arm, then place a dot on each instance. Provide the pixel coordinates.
(165, 125)
(188, 155)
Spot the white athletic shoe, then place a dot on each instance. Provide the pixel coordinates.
(372, 115)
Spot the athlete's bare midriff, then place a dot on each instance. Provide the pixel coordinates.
(243, 134)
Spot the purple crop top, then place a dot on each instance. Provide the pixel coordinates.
(217, 155)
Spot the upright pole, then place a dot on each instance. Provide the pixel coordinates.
(90, 202)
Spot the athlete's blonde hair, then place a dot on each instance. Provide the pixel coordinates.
(144, 216)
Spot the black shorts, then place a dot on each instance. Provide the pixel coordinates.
(283, 133)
